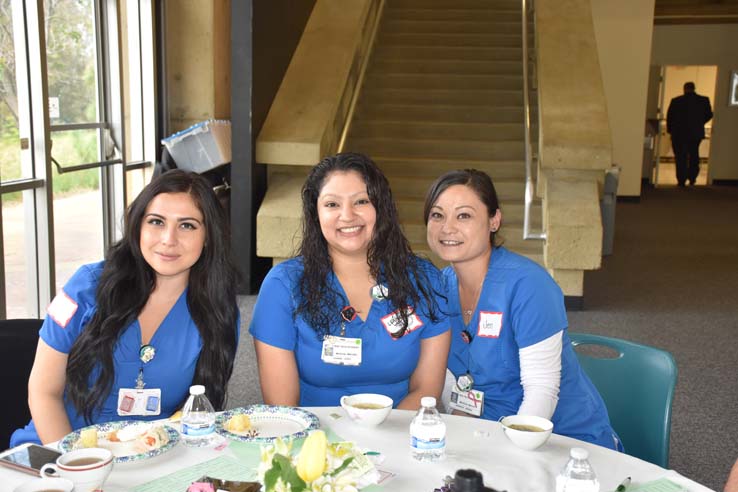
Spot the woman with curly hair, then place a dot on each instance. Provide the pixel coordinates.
(125, 338)
(356, 311)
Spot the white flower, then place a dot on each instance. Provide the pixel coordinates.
(340, 483)
(282, 486)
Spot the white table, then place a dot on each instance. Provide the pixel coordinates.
(471, 443)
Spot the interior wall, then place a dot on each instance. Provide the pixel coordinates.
(710, 44)
(624, 61)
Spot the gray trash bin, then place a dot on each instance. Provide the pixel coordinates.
(607, 208)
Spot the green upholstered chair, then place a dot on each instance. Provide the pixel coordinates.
(637, 385)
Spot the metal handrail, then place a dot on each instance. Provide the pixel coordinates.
(529, 183)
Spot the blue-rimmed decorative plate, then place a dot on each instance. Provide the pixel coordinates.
(126, 451)
(268, 422)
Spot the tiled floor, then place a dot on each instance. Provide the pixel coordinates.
(667, 175)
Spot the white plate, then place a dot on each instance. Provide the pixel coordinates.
(268, 422)
(123, 451)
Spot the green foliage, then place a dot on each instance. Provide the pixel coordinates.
(281, 467)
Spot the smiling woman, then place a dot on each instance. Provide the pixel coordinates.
(355, 311)
(126, 337)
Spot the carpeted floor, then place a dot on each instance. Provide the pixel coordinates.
(672, 283)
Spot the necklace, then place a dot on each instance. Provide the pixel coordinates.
(468, 313)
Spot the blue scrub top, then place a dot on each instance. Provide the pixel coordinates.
(177, 342)
(531, 307)
(387, 363)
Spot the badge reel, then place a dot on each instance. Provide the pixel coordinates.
(342, 350)
(465, 398)
(138, 400)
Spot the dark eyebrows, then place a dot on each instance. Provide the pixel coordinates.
(179, 219)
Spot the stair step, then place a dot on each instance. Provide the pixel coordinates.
(504, 53)
(362, 128)
(445, 39)
(441, 113)
(432, 168)
(444, 149)
(444, 81)
(409, 186)
(453, 14)
(391, 25)
(442, 96)
(456, 4)
(439, 66)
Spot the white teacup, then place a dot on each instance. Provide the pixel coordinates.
(367, 409)
(87, 468)
(46, 485)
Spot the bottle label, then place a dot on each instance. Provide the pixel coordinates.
(197, 430)
(433, 443)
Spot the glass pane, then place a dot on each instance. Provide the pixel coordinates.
(10, 149)
(74, 147)
(71, 58)
(19, 301)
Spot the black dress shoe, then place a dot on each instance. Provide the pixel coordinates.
(681, 184)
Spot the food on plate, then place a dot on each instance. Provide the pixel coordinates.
(129, 432)
(176, 416)
(88, 438)
(154, 438)
(238, 423)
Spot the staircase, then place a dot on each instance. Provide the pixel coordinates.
(443, 91)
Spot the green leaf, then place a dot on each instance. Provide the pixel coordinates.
(343, 466)
(288, 473)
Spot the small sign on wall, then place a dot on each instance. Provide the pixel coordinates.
(53, 107)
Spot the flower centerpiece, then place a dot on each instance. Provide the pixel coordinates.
(318, 467)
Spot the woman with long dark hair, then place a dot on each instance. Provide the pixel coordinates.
(356, 311)
(125, 338)
(509, 343)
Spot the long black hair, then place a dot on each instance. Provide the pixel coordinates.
(479, 182)
(390, 259)
(126, 282)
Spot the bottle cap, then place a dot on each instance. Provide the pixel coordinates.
(579, 453)
(468, 481)
(197, 389)
(428, 401)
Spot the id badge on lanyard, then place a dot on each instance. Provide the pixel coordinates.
(343, 351)
(143, 402)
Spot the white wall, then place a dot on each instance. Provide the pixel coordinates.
(712, 44)
(624, 31)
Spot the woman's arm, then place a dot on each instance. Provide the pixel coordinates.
(280, 384)
(45, 393)
(430, 373)
(540, 376)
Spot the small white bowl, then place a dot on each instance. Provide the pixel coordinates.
(367, 409)
(527, 439)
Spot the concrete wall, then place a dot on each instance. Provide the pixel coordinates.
(623, 30)
(712, 44)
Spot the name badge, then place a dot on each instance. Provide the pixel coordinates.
(471, 402)
(393, 322)
(342, 351)
(132, 401)
(490, 324)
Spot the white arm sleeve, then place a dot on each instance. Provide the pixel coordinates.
(540, 376)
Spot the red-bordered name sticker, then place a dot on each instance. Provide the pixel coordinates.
(62, 308)
(490, 324)
(393, 322)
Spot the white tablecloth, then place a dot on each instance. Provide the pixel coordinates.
(471, 443)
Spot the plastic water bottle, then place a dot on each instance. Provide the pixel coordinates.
(198, 418)
(577, 475)
(428, 432)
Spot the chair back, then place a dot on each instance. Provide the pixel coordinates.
(637, 386)
(18, 341)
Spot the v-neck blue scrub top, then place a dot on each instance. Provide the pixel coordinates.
(177, 342)
(531, 306)
(387, 363)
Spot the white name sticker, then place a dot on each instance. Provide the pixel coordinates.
(342, 351)
(133, 401)
(393, 322)
(471, 402)
(490, 324)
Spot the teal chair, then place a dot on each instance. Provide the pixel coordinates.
(637, 385)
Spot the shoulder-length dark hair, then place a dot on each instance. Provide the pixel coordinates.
(479, 182)
(126, 282)
(389, 256)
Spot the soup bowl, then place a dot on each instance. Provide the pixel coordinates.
(527, 431)
(367, 409)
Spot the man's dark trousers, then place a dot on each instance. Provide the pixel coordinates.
(687, 156)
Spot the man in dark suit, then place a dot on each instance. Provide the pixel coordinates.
(685, 121)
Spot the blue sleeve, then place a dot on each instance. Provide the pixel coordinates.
(76, 298)
(438, 291)
(537, 308)
(272, 321)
